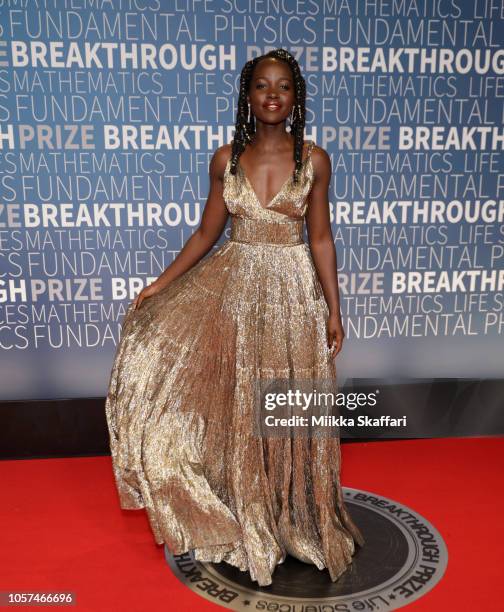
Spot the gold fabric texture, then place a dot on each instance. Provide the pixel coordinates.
(180, 404)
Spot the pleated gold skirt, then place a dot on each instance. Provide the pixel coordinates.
(181, 406)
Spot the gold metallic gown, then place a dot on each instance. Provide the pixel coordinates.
(181, 399)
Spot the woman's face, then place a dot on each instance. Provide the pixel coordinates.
(271, 94)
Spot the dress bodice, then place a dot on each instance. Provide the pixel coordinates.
(289, 204)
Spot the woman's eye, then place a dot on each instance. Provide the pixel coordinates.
(285, 86)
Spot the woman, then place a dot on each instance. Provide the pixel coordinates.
(180, 406)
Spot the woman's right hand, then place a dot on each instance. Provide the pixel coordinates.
(147, 292)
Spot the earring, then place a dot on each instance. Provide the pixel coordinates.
(248, 117)
(291, 116)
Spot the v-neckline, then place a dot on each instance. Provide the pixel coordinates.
(277, 195)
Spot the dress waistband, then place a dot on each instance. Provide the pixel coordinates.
(259, 231)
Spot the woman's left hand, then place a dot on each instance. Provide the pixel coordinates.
(335, 333)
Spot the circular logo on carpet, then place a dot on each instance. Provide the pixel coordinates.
(404, 557)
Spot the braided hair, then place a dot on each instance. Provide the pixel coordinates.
(245, 128)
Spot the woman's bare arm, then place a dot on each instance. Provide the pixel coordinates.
(321, 243)
(213, 220)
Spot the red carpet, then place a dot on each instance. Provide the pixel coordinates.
(62, 529)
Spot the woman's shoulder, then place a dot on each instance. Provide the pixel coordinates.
(224, 151)
(313, 147)
(321, 160)
(316, 150)
(220, 159)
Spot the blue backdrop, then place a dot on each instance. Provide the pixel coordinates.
(110, 113)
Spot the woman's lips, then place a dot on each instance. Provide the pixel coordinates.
(272, 106)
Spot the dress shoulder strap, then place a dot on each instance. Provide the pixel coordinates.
(311, 144)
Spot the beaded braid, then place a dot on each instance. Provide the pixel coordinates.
(245, 128)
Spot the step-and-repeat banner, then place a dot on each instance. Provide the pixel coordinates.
(110, 112)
